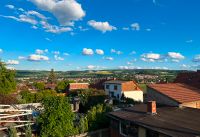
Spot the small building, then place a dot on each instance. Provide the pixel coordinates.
(75, 86)
(174, 94)
(117, 88)
(148, 121)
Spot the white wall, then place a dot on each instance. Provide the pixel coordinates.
(135, 95)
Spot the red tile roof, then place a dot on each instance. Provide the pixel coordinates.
(73, 86)
(181, 93)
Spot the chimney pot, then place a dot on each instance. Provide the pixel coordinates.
(151, 107)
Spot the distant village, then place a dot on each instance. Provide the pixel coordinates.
(103, 107)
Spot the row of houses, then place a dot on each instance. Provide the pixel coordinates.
(172, 110)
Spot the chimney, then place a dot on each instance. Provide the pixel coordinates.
(151, 107)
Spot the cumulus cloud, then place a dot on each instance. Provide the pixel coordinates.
(125, 28)
(66, 54)
(189, 41)
(116, 51)
(196, 58)
(22, 18)
(10, 6)
(175, 55)
(66, 11)
(135, 26)
(56, 57)
(87, 51)
(91, 67)
(151, 57)
(40, 51)
(36, 57)
(129, 67)
(108, 58)
(12, 62)
(53, 28)
(99, 51)
(101, 26)
(21, 57)
(56, 52)
(1, 50)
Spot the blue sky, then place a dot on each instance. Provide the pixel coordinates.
(100, 34)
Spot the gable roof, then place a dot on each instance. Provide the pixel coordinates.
(172, 121)
(181, 93)
(126, 85)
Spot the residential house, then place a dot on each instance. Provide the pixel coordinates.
(117, 88)
(174, 94)
(149, 121)
(76, 86)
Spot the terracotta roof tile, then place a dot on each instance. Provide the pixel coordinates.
(181, 93)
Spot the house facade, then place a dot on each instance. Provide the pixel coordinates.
(116, 89)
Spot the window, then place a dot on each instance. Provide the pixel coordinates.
(124, 128)
(115, 87)
(107, 86)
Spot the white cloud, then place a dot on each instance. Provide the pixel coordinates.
(116, 51)
(129, 63)
(148, 29)
(135, 26)
(12, 62)
(91, 67)
(133, 52)
(56, 52)
(83, 29)
(175, 55)
(129, 67)
(101, 26)
(53, 28)
(56, 57)
(189, 41)
(10, 6)
(151, 57)
(34, 27)
(87, 51)
(196, 58)
(21, 57)
(21, 9)
(66, 11)
(99, 51)
(125, 28)
(22, 18)
(35, 57)
(37, 14)
(1, 50)
(40, 51)
(66, 54)
(48, 39)
(108, 58)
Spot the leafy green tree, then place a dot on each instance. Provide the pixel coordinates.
(62, 85)
(39, 85)
(52, 77)
(7, 79)
(28, 131)
(97, 118)
(83, 125)
(57, 118)
(12, 132)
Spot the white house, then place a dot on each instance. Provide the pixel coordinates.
(130, 89)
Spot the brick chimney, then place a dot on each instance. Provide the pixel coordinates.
(151, 107)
